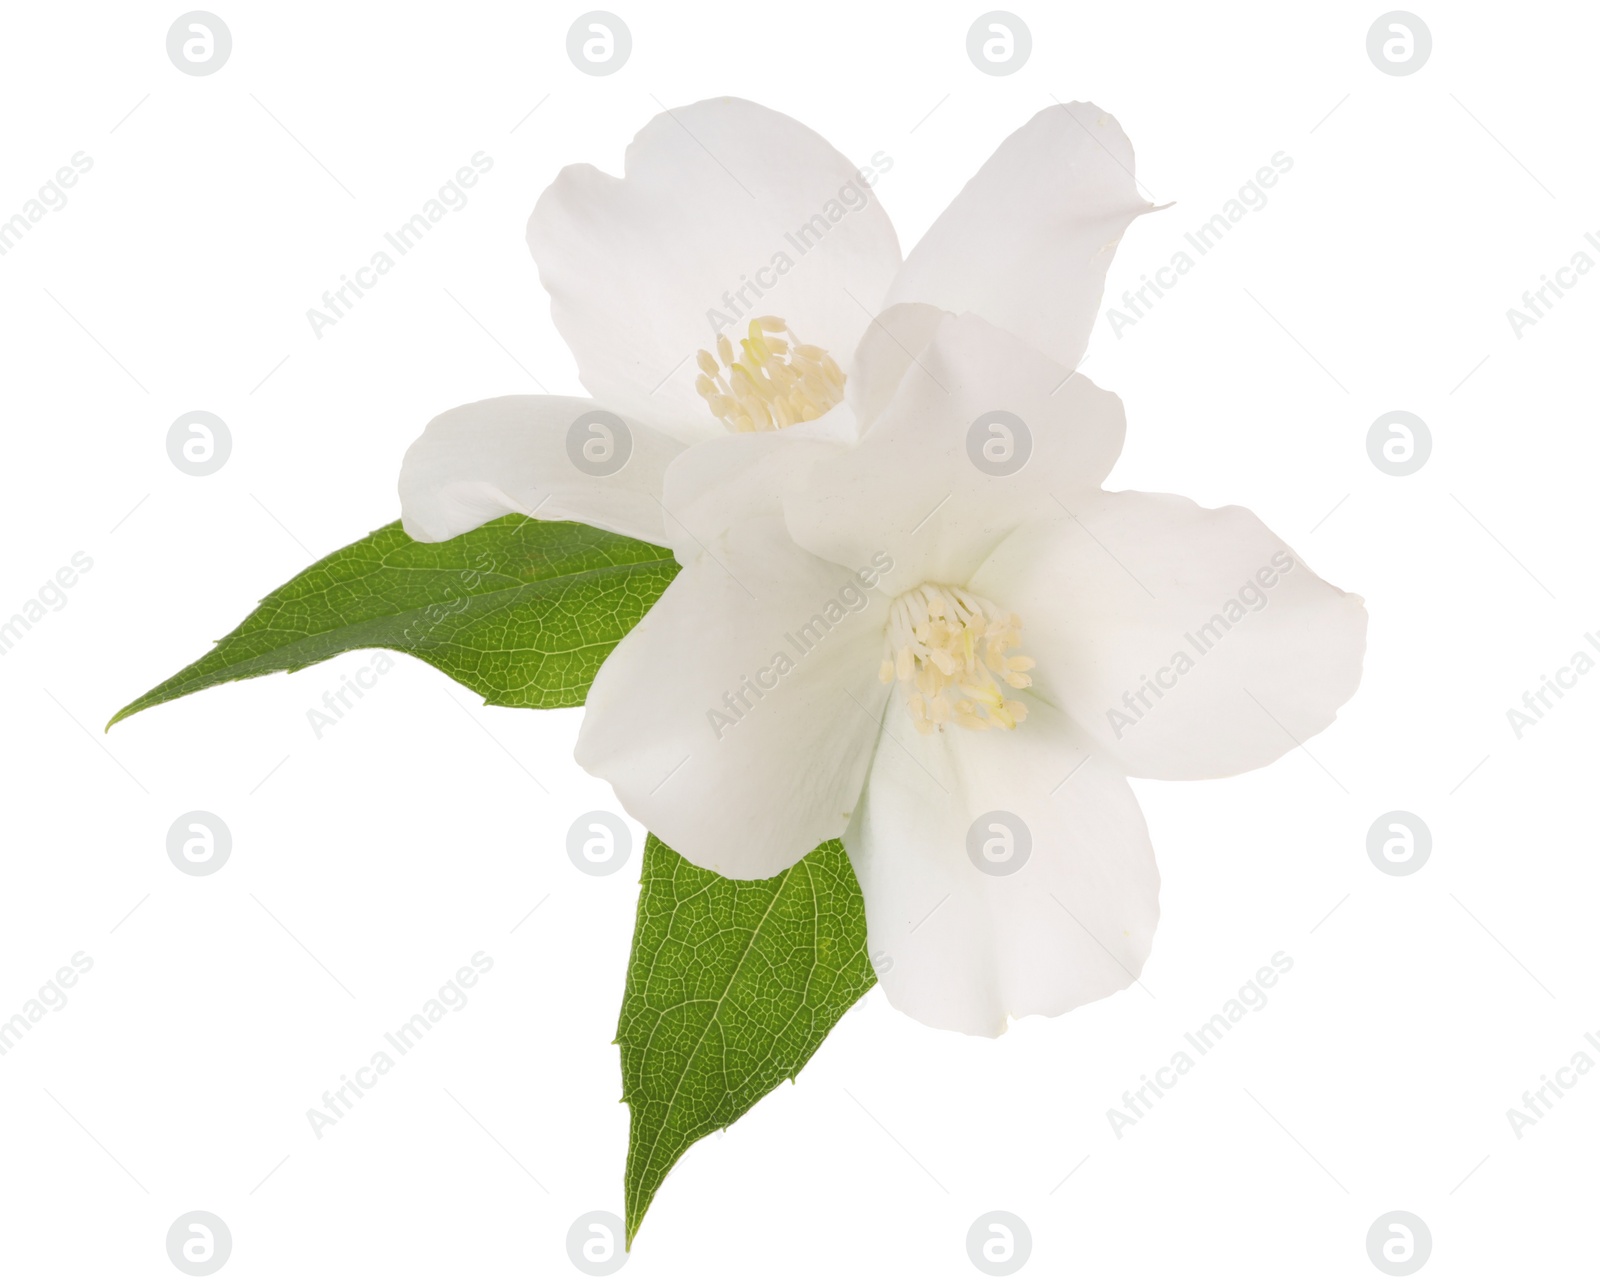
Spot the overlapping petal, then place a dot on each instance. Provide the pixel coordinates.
(736, 720)
(931, 481)
(961, 943)
(719, 482)
(887, 352)
(1191, 643)
(518, 455)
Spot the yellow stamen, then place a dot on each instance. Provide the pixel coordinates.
(769, 382)
(950, 650)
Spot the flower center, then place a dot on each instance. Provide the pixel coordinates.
(951, 651)
(772, 382)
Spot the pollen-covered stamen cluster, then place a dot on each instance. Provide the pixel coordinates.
(772, 382)
(951, 650)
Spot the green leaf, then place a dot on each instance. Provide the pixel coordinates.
(732, 986)
(520, 611)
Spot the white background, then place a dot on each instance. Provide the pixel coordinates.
(370, 864)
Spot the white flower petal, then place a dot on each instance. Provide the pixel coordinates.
(726, 477)
(913, 487)
(723, 480)
(744, 799)
(716, 196)
(1191, 643)
(886, 353)
(1026, 244)
(962, 948)
(510, 456)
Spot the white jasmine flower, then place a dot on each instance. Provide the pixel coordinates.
(884, 642)
(873, 636)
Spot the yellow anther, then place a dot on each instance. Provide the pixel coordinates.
(769, 380)
(951, 650)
